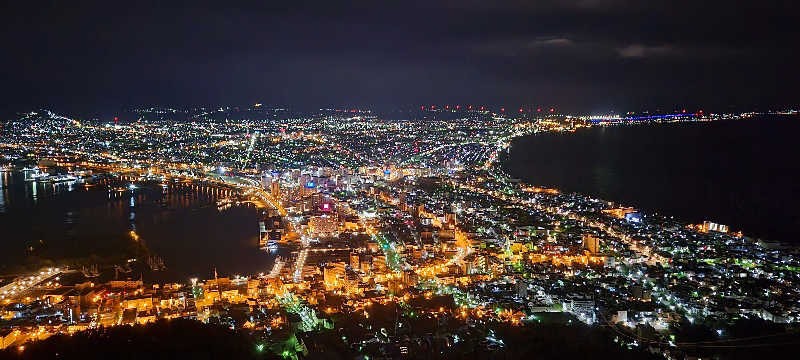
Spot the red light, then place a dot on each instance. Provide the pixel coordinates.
(422, 108)
(447, 107)
(470, 107)
(433, 107)
(116, 119)
(481, 108)
(458, 107)
(501, 109)
(551, 109)
(538, 109)
(520, 109)
(684, 111)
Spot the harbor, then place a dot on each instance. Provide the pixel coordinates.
(172, 230)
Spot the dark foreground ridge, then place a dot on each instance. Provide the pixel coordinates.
(174, 339)
(191, 339)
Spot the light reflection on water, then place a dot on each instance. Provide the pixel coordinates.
(178, 222)
(3, 191)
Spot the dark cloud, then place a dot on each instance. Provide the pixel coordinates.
(641, 51)
(581, 55)
(553, 41)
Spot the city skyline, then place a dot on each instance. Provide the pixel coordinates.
(346, 220)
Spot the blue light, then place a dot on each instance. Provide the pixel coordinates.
(650, 117)
(633, 217)
(310, 185)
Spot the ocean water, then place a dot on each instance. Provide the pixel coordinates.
(742, 173)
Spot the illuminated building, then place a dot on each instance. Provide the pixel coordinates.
(621, 213)
(334, 275)
(275, 189)
(323, 226)
(633, 217)
(712, 226)
(266, 181)
(271, 230)
(8, 337)
(366, 263)
(591, 243)
(410, 278)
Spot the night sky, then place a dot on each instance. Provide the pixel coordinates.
(580, 56)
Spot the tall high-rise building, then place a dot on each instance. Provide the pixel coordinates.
(450, 219)
(266, 180)
(591, 243)
(275, 189)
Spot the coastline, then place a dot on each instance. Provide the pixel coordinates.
(615, 177)
(169, 222)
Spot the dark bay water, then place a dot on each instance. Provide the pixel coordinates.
(181, 224)
(743, 173)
